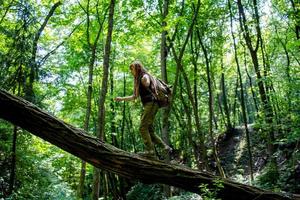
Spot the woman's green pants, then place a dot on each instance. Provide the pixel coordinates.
(147, 129)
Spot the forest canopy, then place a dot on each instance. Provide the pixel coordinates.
(234, 71)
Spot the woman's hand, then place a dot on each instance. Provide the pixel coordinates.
(118, 99)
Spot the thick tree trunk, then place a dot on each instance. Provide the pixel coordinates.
(107, 157)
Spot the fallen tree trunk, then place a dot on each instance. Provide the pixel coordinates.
(108, 157)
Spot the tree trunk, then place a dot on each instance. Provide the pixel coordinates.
(14, 153)
(75, 141)
(105, 69)
(6, 11)
(113, 128)
(96, 183)
(251, 87)
(189, 129)
(93, 49)
(123, 114)
(112, 179)
(101, 113)
(203, 151)
(261, 87)
(33, 73)
(243, 104)
(288, 76)
(178, 59)
(13, 161)
(210, 106)
(224, 98)
(235, 101)
(296, 9)
(163, 60)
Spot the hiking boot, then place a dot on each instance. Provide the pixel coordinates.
(168, 150)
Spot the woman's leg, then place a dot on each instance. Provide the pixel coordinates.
(147, 120)
(155, 139)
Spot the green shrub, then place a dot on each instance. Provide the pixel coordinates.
(143, 191)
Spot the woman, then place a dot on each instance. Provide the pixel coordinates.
(145, 86)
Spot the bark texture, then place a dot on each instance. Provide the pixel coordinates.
(75, 141)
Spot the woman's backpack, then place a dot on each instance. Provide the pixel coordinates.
(163, 94)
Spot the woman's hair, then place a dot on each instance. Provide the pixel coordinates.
(140, 71)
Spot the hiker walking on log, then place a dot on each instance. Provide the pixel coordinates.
(154, 94)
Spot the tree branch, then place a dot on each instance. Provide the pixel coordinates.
(5, 12)
(43, 60)
(51, 12)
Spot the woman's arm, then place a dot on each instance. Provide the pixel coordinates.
(145, 80)
(128, 98)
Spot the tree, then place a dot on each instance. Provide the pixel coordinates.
(93, 52)
(73, 140)
(163, 36)
(178, 58)
(163, 61)
(254, 55)
(28, 85)
(101, 113)
(243, 104)
(210, 105)
(34, 66)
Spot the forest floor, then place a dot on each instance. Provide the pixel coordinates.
(234, 158)
(234, 155)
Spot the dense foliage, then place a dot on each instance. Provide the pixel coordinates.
(234, 67)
